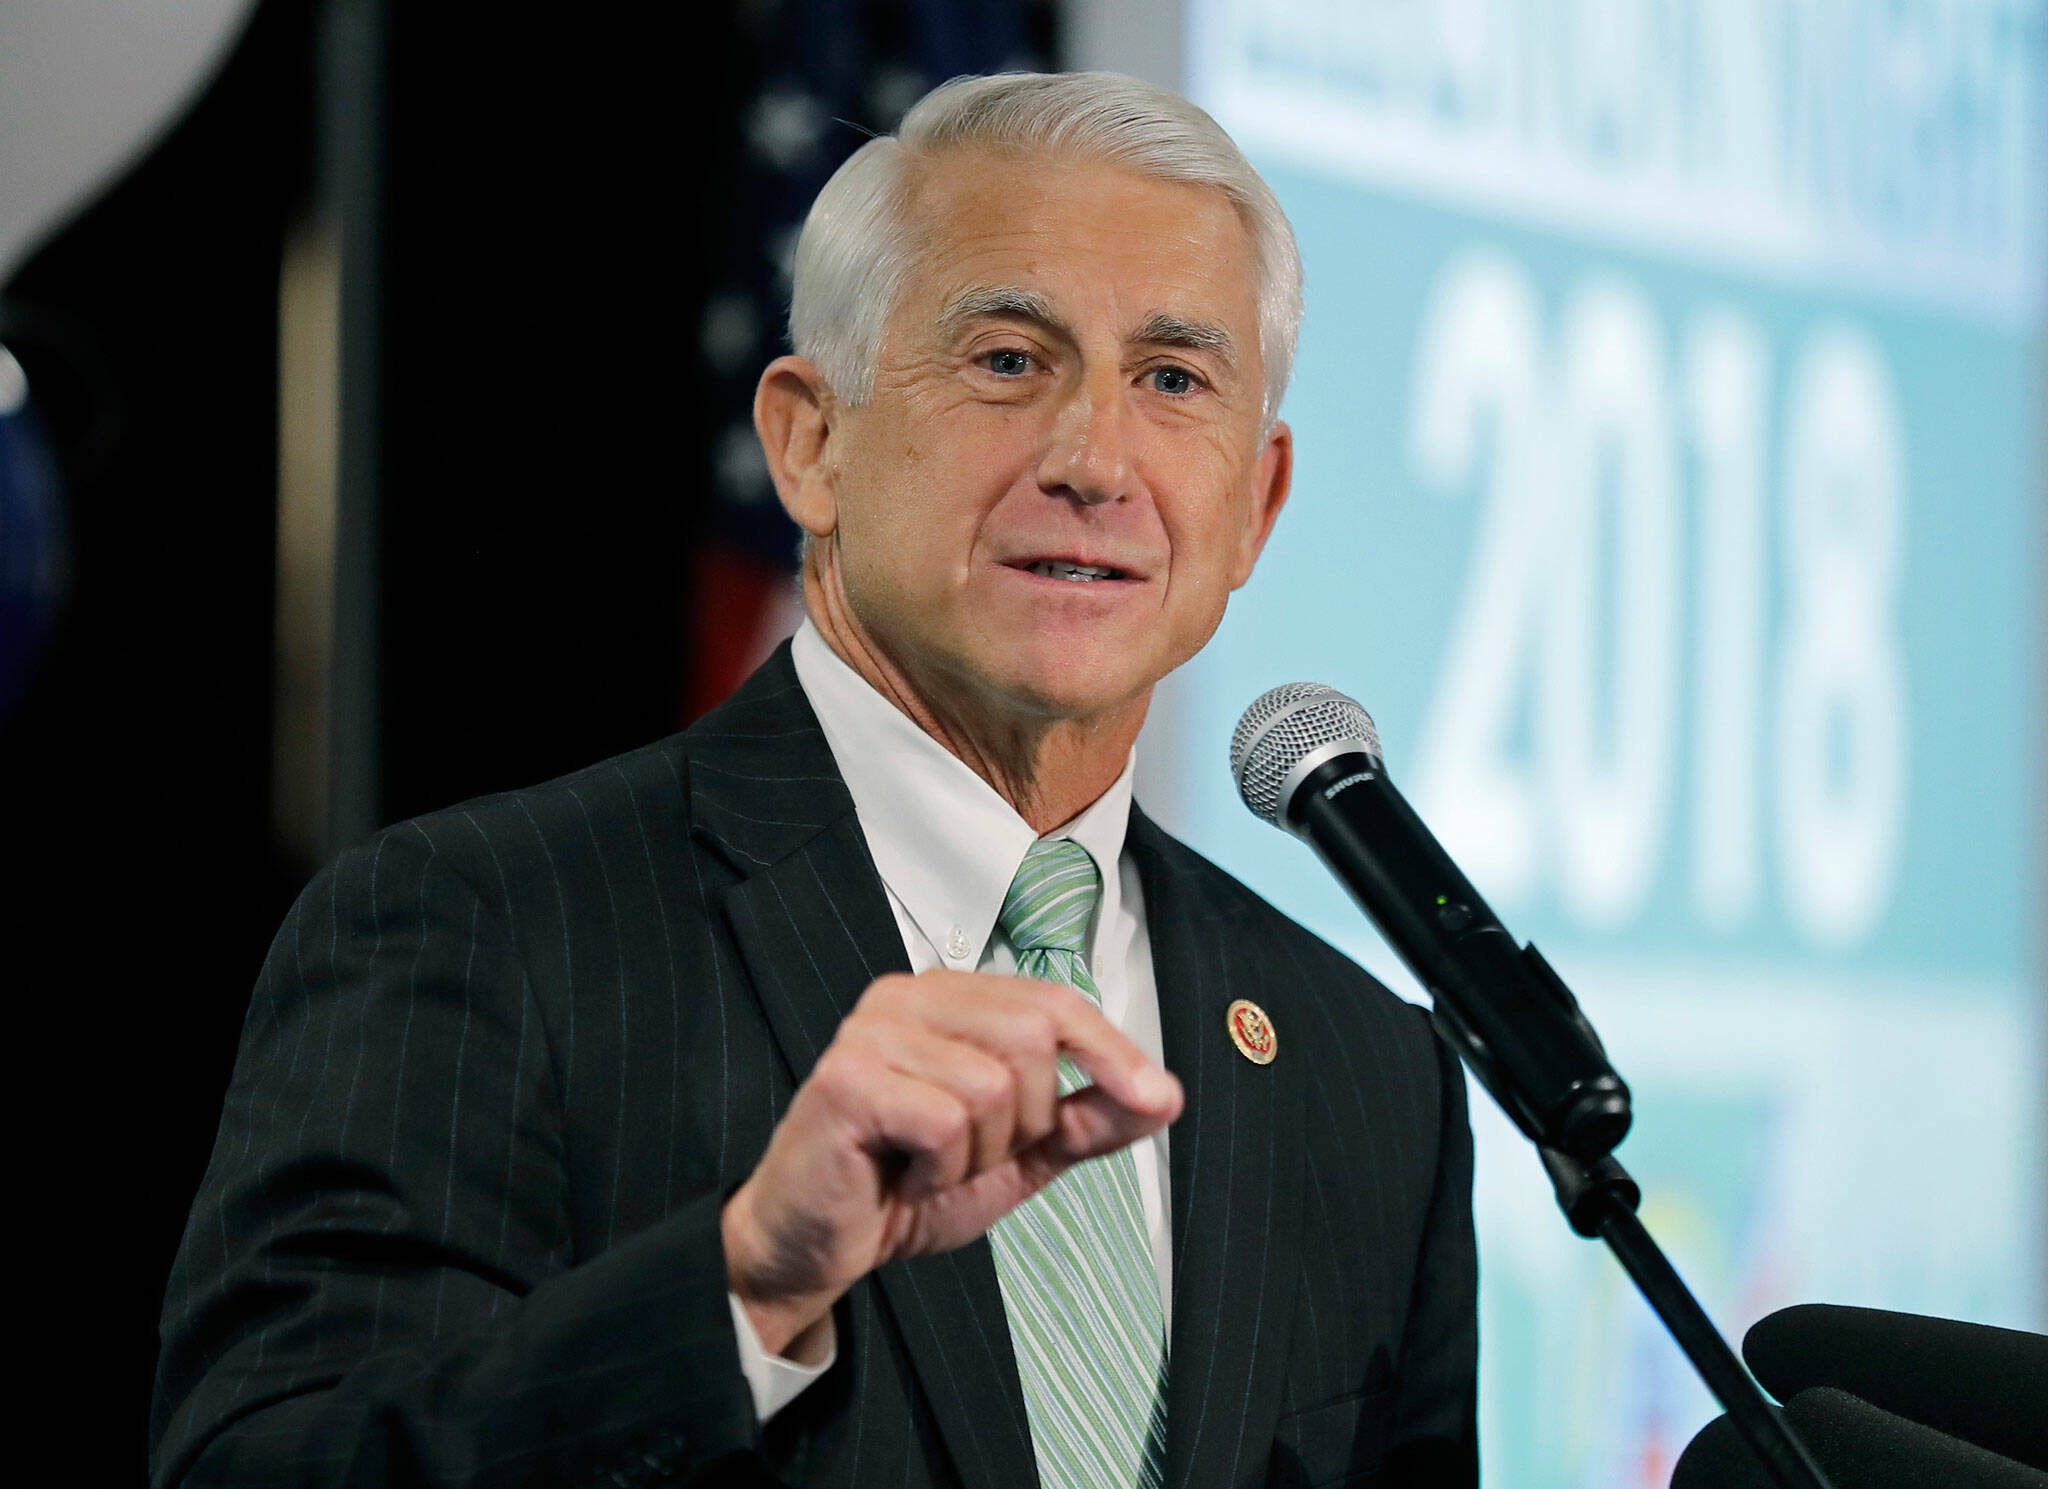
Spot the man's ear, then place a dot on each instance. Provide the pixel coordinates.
(793, 408)
(1272, 478)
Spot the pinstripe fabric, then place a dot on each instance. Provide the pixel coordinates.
(1074, 1261)
(503, 1062)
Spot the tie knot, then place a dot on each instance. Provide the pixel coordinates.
(1051, 898)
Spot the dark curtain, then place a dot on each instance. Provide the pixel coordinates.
(568, 203)
(138, 887)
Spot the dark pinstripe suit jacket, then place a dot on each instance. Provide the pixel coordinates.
(504, 1062)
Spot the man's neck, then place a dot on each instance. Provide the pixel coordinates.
(1048, 769)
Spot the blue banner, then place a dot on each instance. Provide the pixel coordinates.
(1669, 420)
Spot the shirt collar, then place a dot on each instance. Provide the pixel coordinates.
(945, 843)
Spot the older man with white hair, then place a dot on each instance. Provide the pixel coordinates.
(857, 1088)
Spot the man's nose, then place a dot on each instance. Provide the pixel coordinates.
(1088, 458)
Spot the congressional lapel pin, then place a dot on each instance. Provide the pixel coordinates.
(1251, 1031)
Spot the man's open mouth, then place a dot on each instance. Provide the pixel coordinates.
(1052, 568)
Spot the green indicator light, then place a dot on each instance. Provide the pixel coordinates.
(1443, 899)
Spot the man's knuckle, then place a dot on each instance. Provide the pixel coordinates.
(1038, 1032)
(846, 1069)
(949, 1124)
(990, 1085)
(886, 989)
(853, 1040)
(1036, 1122)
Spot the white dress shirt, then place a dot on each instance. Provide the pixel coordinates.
(946, 847)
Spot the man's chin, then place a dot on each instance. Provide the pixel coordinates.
(1068, 688)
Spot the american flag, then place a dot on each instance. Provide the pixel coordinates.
(827, 75)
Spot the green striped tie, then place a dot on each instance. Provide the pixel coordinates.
(1074, 1262)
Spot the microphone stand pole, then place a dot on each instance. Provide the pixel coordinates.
(1599, 1200)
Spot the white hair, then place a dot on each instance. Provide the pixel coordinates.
(858, 240)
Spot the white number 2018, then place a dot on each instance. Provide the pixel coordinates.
(1582, 446)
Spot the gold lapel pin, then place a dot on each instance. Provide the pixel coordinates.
(1251, 1031)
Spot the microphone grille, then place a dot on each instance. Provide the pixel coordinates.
(1280, 729)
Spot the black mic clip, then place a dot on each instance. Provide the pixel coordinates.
(1588, 1193)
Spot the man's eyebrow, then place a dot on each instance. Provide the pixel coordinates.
(1013, 302)
(1161, 329)
(1002, 301)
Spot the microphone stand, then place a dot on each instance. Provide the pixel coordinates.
(1504, 1010)
(1599, 1200)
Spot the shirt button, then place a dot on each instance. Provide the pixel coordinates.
(956, 944)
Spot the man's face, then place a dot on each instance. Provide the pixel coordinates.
(1070, 381)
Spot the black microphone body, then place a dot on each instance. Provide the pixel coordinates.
(1501, 1005)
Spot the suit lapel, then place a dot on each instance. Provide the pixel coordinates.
(1237, 1173)
(814, 928)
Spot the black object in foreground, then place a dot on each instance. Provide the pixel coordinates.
(1306, 758)
(1862, 1446)
(1985, 1385)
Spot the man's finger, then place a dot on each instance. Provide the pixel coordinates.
(922, 1134)
(1016, 1016)
(1107, 1056)
(1091, 1123)
(985, 1085)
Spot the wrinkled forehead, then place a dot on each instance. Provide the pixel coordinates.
(1045, 230)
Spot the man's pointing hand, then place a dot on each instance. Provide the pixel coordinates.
(934, 1113)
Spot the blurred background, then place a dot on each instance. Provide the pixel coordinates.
(1670, 412)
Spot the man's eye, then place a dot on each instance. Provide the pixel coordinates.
(1009, 363)
(1175, 381)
